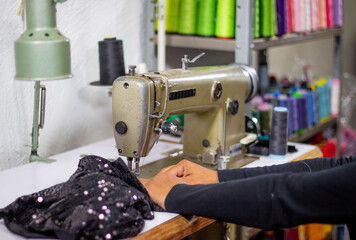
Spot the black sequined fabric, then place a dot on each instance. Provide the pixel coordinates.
(101, 200)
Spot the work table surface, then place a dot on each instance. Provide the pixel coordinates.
(36, 176)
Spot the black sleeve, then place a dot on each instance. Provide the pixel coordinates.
(273, 200)
(310, 165)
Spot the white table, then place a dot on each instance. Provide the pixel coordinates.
(36, 176)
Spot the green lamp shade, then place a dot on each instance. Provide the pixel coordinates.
(42, 52)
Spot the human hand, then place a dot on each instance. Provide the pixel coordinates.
(193, 173)
(160, 185)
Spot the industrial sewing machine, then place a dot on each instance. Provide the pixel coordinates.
(212, 99)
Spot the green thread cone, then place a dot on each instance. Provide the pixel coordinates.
(187, 17)
(256, 29)
(206, 17)
(268, 18)
(172, 15)
(225, 19)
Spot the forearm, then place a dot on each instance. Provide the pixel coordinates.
(310, 165)
(274, 200)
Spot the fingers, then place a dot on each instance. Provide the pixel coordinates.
(176, 170)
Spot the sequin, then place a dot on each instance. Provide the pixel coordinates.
(106, 165)
(50, 210)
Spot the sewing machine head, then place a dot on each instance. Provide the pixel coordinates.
(212, 99)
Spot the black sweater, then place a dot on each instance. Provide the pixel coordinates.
(317, 190)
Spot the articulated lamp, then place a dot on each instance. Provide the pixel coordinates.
(42, 53)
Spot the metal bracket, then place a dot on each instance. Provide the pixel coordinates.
(244, 32)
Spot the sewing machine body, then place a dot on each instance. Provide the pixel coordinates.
(212, 99)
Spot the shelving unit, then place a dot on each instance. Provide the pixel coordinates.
(229, 45)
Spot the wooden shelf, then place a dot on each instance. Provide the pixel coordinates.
(212, 43)
(311, 132)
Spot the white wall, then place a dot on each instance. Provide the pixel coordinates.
(76, 114)
(289, 60)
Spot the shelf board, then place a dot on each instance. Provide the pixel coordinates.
(312, 131)
(293, 38)
(212, 43)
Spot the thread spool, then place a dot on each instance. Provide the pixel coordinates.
(335, 97)
(293, 111)
(264, 79)
(327, 89)
(268, 15)
(302, 15)
(290, 15)
(307, 15)
(322, 88)
(317, 106)
(256, 100)
(270, 98)
(283, 100)
(337, 13)
(314, 15)
(225, 19)
(278, 144)
(187, 17)
(257, 22)
(302, 111)
(297, 16)
(265, 114)
(309, 98)
(329, 13)
(206, 18)
(322, 14)
(282, 16)
(172, 16)
(111, 60)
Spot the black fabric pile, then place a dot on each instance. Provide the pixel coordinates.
(101, 200)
